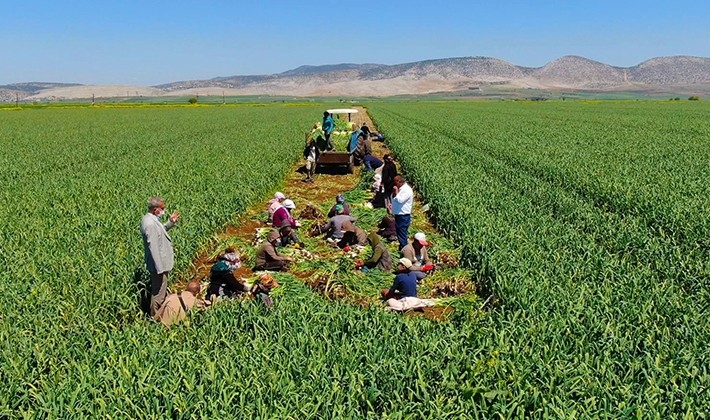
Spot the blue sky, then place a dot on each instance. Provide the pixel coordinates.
(149, 42)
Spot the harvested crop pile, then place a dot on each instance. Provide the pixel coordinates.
(311, 212)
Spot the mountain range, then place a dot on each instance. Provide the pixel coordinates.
(476, 75)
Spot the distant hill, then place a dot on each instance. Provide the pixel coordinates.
(10, 93)
(679, 73)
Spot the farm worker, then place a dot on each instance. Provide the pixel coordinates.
(284, 213)
(262, 288)
(416, 252)
(380, 258)
(402, 201)
(405, 283)
(378, 187)
(354, 140)
(363, 147)
(371, 163)
(310, 154)
(177, 305)
(223, 283)
(352, 235)
(334, 231)
(158, 247)
(288, 236)
(376, 183)
(365, 130)
(339, 199)
(389, 171)
(274, 204)
(387, 228)
(328, 126)
(268, 258)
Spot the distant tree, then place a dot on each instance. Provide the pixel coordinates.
(192, 100)
(694, 98)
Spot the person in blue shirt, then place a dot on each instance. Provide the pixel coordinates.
(328, 126)
(354, 140)
(405, 282)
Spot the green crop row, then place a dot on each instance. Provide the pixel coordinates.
(595, 246)
(603, 288)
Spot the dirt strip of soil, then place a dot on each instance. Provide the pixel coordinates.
(318, 194)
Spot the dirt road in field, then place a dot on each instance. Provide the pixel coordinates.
(307, 196)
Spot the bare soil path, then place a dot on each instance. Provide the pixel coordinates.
(320, 263)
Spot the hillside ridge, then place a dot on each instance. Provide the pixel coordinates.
(420, 77)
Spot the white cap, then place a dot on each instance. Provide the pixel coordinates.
(279, 196)
(405, 262)
(289, 204)
(421, 238)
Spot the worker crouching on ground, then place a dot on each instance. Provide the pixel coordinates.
(176, 306)
(380, 258)
(416, 252)
(268, 258)
(405, 282)
(274, 205)
(287, 236)
(339, 199)
(352, 235)
(387, 228)
(223, 283)
(283, 213)
(334, 232)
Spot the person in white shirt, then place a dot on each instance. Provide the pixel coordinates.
(402, 201)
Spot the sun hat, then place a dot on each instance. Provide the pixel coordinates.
(289, 204)
(229, 256)
(405, 262)
(421, 238)
(279, 195)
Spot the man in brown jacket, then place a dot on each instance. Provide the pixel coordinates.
(176, 306)
(267, 258)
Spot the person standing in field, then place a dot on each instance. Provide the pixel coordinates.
(158, 247)
(389, 171)
(328, 126)
(310, 154)
(177, 305)
(402, 201)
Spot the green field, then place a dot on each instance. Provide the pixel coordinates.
(590, 221)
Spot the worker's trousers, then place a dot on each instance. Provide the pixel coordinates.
(158, 291)
(401, 224)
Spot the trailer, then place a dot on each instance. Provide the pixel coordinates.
(333, 161)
